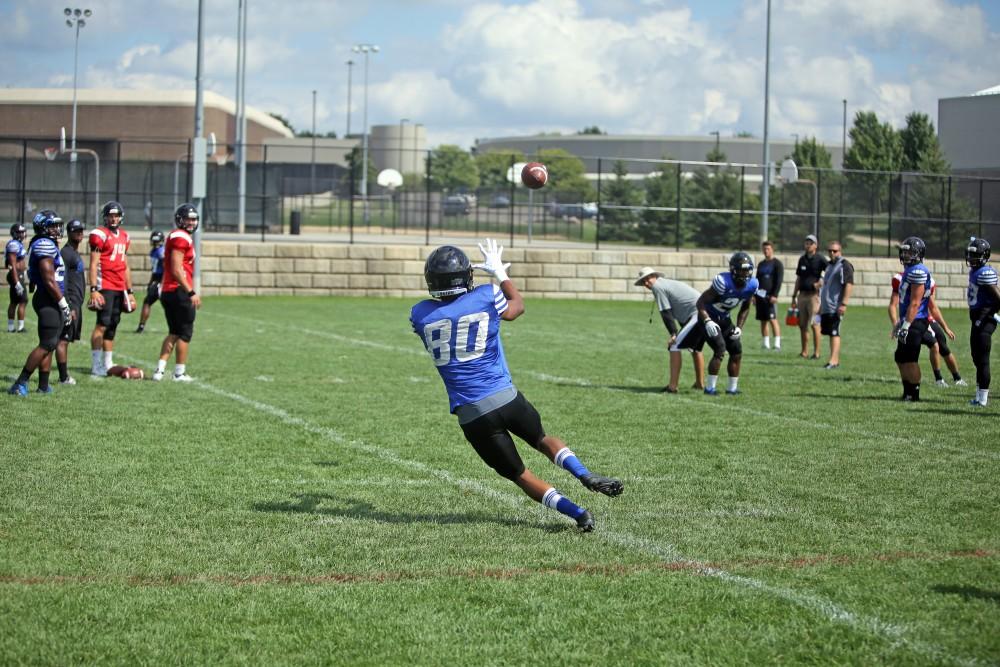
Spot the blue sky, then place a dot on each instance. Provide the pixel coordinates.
(467, 69)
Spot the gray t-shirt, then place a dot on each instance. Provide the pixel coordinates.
(838, 274)
(674, 295)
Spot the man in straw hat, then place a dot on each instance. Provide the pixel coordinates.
(676, 302)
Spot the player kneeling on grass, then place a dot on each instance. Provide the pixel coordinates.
(54, 314)
(460, 328)
(177, 293)
(729, 289)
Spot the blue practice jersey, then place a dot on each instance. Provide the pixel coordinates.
(730, 295)
(156, 262)
(916, 274)
(463, 338)
(16, 247)
(982, 299)
(41, 248)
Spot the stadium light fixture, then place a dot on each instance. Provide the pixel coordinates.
(365, 49)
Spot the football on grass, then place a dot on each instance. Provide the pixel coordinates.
(534, 175)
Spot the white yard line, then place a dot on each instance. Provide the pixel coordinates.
(897, 634)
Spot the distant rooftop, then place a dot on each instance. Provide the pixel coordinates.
(995, 90)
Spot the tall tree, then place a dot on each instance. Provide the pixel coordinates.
(281, 119)
(453, 169)
(921, 149)
(493, 166)
(875, 147)
(620, 223)
(659, 226)
(811, 153)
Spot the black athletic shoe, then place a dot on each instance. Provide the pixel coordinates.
(585, 522)
(142, 327)
(606, 485)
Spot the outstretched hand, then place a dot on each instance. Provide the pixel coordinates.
(492, 260)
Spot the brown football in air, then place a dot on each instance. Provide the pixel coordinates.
(534, 175)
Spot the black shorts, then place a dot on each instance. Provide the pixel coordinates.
(765, 309)
(72, 332)
(691, 336)
(14, 298)
(489, 435)
(50, 326)
(152, 293)
(908, 351)
(180, 314)
(111, 314)
(829, 324)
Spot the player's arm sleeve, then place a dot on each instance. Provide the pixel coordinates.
(719, 285)
(668, 320)
(499, 300)
(778, 277)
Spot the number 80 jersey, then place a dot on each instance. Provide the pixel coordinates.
(463, 339)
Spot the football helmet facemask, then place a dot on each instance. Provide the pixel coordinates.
(113, 208)
(978, 253)
(48, 223)
(911, 251)
(448, 272)
(741, 267)
(186, 217)
(18, 231)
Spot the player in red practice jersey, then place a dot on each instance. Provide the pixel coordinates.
(110, 285)
(177, 293)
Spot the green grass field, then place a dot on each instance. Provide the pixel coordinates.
(310, 501)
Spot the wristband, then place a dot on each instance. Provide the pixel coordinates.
(93, 288)
(63, 303)
(128, 291)
(191, 293)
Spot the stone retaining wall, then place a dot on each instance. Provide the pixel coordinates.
(397, 270)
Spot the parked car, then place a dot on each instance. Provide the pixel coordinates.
(500, 201)
(580, 211)
(455, 205)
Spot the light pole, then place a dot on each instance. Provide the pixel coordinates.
(843, 139)
(401, 121)
(716, 134)
(350, 65)
(75, 19)
(766, 193)
(365, 49)
(312, 162)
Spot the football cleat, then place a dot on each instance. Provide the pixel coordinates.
(157, 376)
(47, 390)
(831, 367)
(733, 392)
(711, 392)
(585, 522)
(600, 484)
(68, 380)
(668, 390)
(18, 389)
(99, 372)
(974, 403)
(961, 383)
(941, 383)
(910, 399)
(184, 377)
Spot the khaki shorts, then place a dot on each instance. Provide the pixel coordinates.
(808, 305)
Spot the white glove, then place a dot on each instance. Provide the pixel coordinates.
(19, 289)
(712, 328)
(65, 312)
(735, 333)
(903, 331)
(492, 262)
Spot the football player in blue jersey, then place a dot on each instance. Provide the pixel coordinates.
(729, 289)
(984, 302)
(45, 269)
(914, 297)
(460, 328)
(155, 277)
(13, 256)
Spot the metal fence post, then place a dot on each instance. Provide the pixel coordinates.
(819, 205)
(677, 217)
(24, 181)
(118, 171)
(597, 218)
(888, 234)
(743, 179)
(947, 229)
(427, 203)
(513, 177)
(263, 196)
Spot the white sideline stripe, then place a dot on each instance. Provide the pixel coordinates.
(666, 552)
(580, 382)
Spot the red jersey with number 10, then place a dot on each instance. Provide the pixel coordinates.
(177, 240)
(112, 246)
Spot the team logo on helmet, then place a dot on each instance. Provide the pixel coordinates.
(186, 217)
(978, 253)
(741, 267)
(448, 272)
(911, 251)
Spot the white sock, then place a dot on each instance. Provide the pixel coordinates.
(10, 325)
(767, 342)
(20, 325)
(109, 359)
(733, 382)
(777, 342)
(710, 381)
(179, 369)
(983, 396)
(161, 365)
(95, 359)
